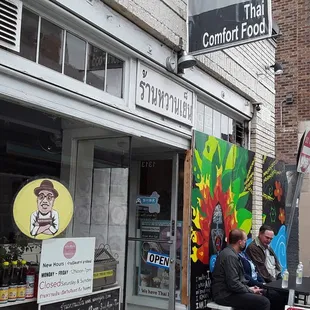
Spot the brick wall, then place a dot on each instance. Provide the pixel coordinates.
(236, 67)
(293, 51)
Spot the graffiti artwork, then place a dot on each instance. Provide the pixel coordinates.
(221, 201)
(274, 196)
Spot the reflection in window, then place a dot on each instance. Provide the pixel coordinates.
(231, 134)
(115, 76)
(208, 122)
(96, 67)
(75, 57)
(51, 44)
(217, 124)
(224, 127)
(29, 35)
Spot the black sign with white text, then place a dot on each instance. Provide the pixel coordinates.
(101, 300)
(219, 24)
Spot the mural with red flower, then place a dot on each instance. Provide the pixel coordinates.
(221, 194)
(221, 201)
(278, 192)
(274, 195)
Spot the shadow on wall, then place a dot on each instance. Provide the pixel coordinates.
(293, 248)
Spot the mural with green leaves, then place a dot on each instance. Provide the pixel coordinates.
(222, 191)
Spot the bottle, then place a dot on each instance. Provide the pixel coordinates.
(4, 287)
(13, 281)
(30, 279)
(285, 279)
(21, 287)
(299, 273)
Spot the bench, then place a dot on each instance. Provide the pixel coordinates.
(214, 305)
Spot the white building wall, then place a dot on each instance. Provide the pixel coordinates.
(241, 68)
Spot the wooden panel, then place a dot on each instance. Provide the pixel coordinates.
(186, 227)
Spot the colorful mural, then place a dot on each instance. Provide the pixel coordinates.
(221, 200)
(274, 195)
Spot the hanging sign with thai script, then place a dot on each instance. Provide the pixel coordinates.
(161, 95)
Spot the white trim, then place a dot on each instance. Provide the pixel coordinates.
(38, 94)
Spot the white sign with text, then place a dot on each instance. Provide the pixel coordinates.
(66, 268)
(161, 95)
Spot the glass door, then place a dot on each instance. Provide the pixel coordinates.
(155, 235)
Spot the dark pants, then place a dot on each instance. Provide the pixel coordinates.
(246, 301)
(278, 300)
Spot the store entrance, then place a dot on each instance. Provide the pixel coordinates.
(155, 232)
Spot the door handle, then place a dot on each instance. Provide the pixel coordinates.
(149, 240)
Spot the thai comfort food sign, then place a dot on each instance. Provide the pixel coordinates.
(218, 24)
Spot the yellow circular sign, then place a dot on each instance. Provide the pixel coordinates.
(43, 209)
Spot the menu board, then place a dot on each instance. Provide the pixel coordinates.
(101, 300)
(203, 290)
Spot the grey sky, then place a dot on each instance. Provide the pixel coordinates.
(198, 6)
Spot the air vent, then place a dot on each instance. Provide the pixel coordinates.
(10, 23)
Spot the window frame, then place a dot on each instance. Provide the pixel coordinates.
(68, 26)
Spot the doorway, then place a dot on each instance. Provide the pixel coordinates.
(154, 259)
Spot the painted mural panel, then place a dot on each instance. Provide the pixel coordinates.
(221, 200)
(274, 196)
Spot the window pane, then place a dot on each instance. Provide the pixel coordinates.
(96, 67)
(231, 131)
(217, 124)
(208, 124)
(29, 35)
(75, 57)
(51, 44)
(224, 127)
(115, 76)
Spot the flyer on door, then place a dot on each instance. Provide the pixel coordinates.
(66, 268)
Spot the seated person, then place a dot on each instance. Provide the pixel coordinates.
(267, 264)
(263, 256)
(250, 272)
(229, 286)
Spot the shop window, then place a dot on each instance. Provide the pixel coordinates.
(101, 197)
(224, 127)
(51, 45)
(29, 35)
(115, 76)
(219, 125)
(96, 65)
(75, 57)
(104, 71)
(208, 120)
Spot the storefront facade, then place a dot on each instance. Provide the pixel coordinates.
(88, 101)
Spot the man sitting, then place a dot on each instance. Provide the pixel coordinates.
(263, 256)
(229, 286)
(267, 264)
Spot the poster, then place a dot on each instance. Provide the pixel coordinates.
(219, 24)
(275, 186)
(223, 176)
(154, 259)
(43, 209)
(66, 268)
(107, 299)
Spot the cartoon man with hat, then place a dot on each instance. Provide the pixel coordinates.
(45, 220)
